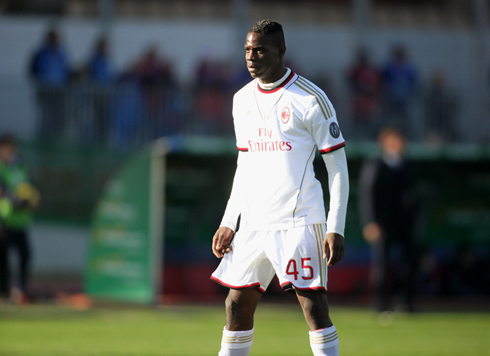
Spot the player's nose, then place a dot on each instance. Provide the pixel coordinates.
(250, 56)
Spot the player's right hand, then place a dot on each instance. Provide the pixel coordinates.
(222, 241)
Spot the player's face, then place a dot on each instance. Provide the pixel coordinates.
(393, 144)
(264, 60)
(6, 153)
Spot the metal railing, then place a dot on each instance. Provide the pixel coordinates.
(127, 115)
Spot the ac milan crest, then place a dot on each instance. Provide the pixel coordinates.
(285, 115)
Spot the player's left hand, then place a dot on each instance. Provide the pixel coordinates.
(335, 244)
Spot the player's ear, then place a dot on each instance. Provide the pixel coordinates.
(282, 50)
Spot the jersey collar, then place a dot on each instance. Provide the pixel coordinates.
(282, 85)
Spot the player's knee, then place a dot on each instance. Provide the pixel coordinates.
(235, 308)
(315, 307)
(231, 306)
(240, 307)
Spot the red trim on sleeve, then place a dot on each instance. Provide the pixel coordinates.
(333, 148)
(242, 149)
(279, 87)
(238, 287)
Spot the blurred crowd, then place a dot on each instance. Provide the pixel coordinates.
(99, 105)
(143, 102)
(382, 95)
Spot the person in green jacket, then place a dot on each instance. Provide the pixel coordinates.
(24, 199)
(6, 206)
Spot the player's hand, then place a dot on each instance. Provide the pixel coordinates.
(222, 241)
(371, 232)
(335, 244)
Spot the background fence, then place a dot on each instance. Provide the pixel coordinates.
(129, 115)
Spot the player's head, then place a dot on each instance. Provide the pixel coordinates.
(392, 140)
(270, 28)
(102, 46)
(264, 51)
(52, 38)
(400, 53)
(8, 147)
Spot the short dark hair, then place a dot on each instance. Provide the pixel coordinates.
(391, 131)
(270, 27)
(8, 140)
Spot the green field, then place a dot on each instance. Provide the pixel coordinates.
(196, 330)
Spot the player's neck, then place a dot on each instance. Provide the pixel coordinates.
(273, 85)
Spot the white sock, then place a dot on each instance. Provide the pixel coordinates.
(236, 343)
(324, 342)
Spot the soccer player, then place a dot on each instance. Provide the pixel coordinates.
(280, 120)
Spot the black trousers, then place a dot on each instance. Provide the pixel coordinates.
(394, 276)
(16, 239)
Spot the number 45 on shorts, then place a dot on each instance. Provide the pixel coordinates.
(292, 269)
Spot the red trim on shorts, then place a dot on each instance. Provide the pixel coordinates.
(333, 148)
(323, 289)
(242, 149)
(238, 287)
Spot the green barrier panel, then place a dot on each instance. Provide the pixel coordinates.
(126, 237)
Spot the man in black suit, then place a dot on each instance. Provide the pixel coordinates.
(388, 209)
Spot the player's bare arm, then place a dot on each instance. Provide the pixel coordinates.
(222, 241)
(333, 243)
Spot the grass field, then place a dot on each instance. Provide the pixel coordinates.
(196, 330)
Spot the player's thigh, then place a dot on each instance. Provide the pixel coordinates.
(243, 300)
(297, 257)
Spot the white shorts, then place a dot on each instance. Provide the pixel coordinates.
(295, 255)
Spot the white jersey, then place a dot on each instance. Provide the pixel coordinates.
(277, 134)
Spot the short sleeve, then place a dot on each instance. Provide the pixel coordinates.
(321, 121)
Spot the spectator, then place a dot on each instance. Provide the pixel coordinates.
(51, 72)
(25, 198)
(160, 94)
(101, 76)
(155, 70)
(440, 110)
(388, 209)
(365, 85)
(99, 66)
(128, 108)
(213, 96)
(400, 81)
(5, 211)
